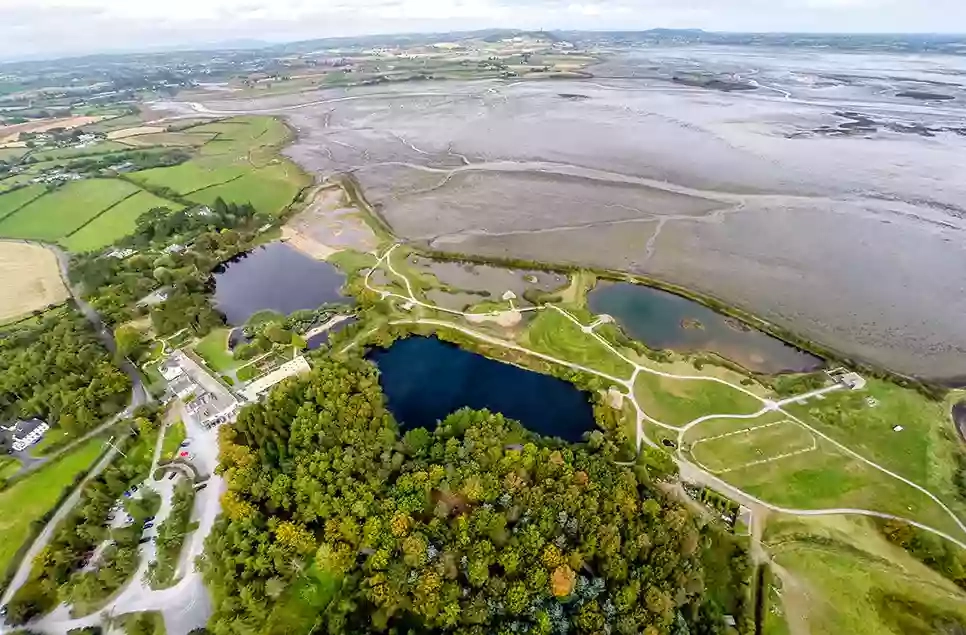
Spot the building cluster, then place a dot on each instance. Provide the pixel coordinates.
(207, 402)
(23, 434)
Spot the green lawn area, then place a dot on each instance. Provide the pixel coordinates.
(118, 221)
(351, 261)
(173, 436)
(50, 440)
(12, 154)
(8, 467)
(12, 201)
(765, 441)
(301, 605)
(554, 334)
(920, 452)
(31, 497)
(61, 212)
(849, 580)
(214, 350)
(677, 402)
(826, 478)
(270, 189)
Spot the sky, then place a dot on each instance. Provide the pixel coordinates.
(48, 28)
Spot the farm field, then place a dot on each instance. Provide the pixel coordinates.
(57, 214)
(31, 279)
(269, 189)
(191, 176)
(13, 201)
(101, 147)
(114, 223)
(30, 498)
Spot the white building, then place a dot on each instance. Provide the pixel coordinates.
(297, 366)
(25, 433)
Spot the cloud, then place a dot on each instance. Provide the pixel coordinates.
(53, 27)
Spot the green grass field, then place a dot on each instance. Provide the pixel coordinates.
(270, 189)
(13, 201)
(8, 467)
(843, 577)
(214, 350)
(173, 436)
(64, 210)
(754, 443)
(677, 402)
(102, 147)
(829, 479)
(190, 176)
(118, 221)
(300, 607)
(32, 497)
(921, 451)
(51, 439)
(554, 334)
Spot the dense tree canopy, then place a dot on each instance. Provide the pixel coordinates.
(59, 371)
(477, 527)
(201, 239)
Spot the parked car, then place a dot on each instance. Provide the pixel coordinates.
(149, 519)
(185, 443)
(148, 526)
(200, 487)
(172, 475)
(144, 540)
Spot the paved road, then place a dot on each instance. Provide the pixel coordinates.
(185, 605)
(139, 394)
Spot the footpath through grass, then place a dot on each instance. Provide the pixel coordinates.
(32, 497)
(553, 333)
(848, 579)
(677, 402)
(924, 450)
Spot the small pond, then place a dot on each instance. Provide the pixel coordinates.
(275, 277)
(662, 320)
(425, 380)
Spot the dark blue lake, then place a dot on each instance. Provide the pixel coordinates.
(425, 380)
(274, 277)
(662, 320)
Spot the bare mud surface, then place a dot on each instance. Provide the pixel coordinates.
(820, 200)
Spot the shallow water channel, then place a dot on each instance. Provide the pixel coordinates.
(425, 380)
(274, 277)
(662, 320)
